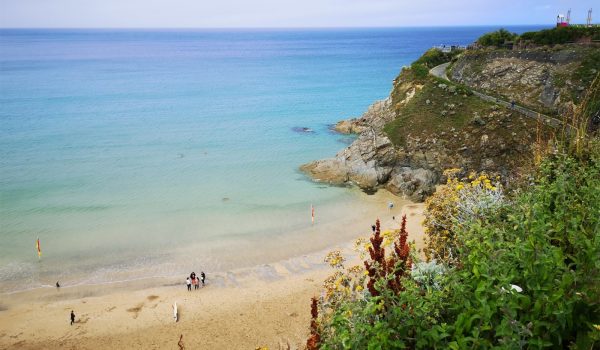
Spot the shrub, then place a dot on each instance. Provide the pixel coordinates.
(528, 275)
(428, 274)
(561, 35)
(453, 206)
(419, 70)
(434, 57)
(497, 38)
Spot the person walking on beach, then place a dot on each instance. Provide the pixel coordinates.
(195, 282)
(203, 277)
(189, 284)
(512, 104)
(72, 317)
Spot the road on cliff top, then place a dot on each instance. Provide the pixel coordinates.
(440, 72)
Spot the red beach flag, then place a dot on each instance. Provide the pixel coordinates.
(39, 248)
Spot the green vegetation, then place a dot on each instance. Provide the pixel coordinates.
(430, 59)
(497, 38)
(434, 57)
(502, 269)
(589, 68)
(591, 111)
(588, 71)
(524, 271)
(568, 70)
(457, 101)
(440, 109)
(419, 70)
(561, 35)
(553, 36)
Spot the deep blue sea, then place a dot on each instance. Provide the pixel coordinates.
(126, 149)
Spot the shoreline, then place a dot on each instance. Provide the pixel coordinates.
(233, 308)
(282, 239)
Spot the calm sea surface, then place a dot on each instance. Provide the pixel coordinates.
(127, 150)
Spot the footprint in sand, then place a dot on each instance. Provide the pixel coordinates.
(136, 310)
(152, 298)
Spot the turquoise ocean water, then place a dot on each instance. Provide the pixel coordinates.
(123, 149)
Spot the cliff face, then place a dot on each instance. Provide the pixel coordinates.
(406, 141)
(546, 80)
(372, 160)
(369, 160)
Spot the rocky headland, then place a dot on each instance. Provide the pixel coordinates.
(372, 161)
(427, 125)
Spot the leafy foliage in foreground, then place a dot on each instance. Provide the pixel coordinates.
(527, 275)
(454, 205)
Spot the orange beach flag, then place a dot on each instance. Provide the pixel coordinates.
(39, 248)
(312, 213)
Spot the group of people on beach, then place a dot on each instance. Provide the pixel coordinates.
(195, 281)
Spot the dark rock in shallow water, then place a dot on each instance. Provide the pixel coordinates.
(302, 129)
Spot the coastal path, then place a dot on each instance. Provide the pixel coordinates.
(440, 72)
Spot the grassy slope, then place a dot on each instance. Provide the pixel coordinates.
(510, 135)
(583, 71)
(418, 115)
(419, 118)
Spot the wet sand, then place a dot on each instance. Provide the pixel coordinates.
(264, 305)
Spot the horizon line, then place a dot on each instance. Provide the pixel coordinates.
(315, 27)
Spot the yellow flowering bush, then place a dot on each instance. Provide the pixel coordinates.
(361, 246)
(342, 285)
(335, 259)
(453, 205)
(440, 208)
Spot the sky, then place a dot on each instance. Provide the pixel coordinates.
(284, 13)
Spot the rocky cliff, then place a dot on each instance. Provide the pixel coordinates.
(427, 125)
(545, 79)
(372, 161)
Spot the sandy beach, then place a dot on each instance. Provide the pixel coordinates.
(262, 306)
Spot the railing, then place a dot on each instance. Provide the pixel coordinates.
(450, 47)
